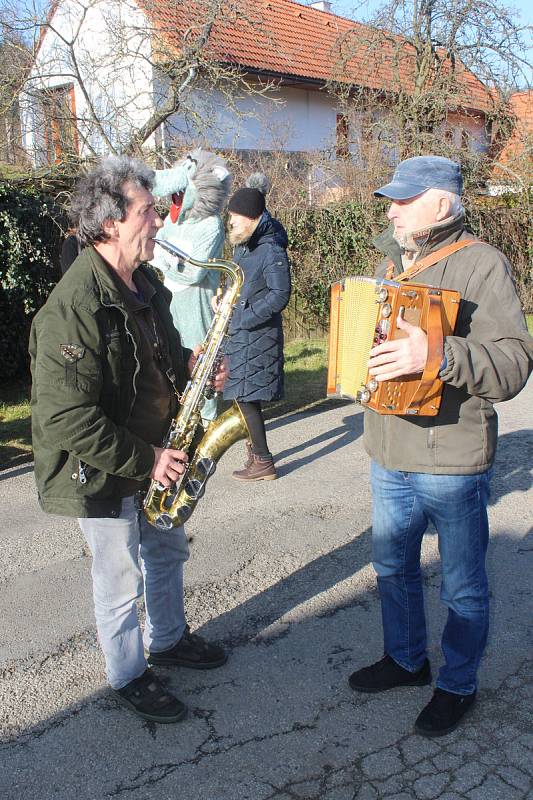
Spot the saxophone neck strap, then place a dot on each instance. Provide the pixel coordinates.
(428, 261)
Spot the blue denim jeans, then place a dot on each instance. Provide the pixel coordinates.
(129, 554)
(403, 504)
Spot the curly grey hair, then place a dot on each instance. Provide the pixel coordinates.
(100, 195)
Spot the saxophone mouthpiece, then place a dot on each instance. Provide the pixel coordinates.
(172, 248)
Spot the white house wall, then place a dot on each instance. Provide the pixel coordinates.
(290, 119)
(112, 57)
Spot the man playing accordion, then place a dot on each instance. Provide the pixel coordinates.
(437, 468)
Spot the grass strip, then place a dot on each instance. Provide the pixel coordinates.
(305, 387)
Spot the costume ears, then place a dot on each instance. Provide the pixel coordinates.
(221, 173)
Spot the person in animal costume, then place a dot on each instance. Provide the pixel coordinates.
(199, 185)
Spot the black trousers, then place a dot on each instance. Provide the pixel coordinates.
(253, 415)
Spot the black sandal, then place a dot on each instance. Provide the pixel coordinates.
(149, 699)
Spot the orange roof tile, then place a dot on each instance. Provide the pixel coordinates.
(283, 38)
(517, 153)
(522, 106)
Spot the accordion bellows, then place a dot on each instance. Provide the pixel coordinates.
(364, 312)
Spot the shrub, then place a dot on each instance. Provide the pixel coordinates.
(509, 228)
(13, 334)
(327, 244)
(30, 239)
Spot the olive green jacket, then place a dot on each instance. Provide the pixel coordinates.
(488, 360)
(84, 349)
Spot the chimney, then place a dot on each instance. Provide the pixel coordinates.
(322, 5)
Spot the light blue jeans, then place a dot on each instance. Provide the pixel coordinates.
(403, 504)
(129, 554)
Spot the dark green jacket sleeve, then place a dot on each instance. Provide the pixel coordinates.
(67, 390)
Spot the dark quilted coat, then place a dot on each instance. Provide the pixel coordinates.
(255, 346)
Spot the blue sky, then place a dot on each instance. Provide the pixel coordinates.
(358, 10)
(362, 9)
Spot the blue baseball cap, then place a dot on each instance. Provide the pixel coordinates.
(416, 175)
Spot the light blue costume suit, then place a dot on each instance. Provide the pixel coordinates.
(205, 183)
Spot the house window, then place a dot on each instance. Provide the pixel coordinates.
(342, 149)
(59, 118)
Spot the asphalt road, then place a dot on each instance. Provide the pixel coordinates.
(280, 573)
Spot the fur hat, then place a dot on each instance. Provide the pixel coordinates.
(258, 180)
(247, 202)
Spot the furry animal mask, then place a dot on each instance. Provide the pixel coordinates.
(199, 185)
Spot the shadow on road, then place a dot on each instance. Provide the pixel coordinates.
(318, 576)
(15, 473)
(513, 467)
(157, 760)
(350, 430)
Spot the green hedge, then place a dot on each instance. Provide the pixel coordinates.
(510, 229)
(328, 244)
(325, 244)
(30, 240)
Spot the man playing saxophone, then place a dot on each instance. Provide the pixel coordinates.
(107, 366)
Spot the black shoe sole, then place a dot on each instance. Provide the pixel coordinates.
(165, 720)
(434, 734)
(372, 690)
(254, 480)
(174, 662)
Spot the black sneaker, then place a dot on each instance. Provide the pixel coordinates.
(387, 674)
(149, 699)
(443, 713)
(191, 651)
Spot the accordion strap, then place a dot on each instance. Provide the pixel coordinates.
(435, 345)
(428, 261)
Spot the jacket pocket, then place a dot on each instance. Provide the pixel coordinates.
(118, 367)
(91, 482)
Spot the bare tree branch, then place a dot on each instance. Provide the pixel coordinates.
(115, 71)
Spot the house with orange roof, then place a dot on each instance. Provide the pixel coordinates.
(513, 158)
(103, 70)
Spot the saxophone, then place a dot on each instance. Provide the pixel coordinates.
(169, 507)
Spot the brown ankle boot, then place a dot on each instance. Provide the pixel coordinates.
(260, 469)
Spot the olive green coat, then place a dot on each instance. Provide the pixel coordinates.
(489, 359)
(84, 361)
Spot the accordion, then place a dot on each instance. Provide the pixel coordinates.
(363, 314)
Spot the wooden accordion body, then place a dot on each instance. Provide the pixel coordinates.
(363, 314)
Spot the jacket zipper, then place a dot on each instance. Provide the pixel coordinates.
(82, 477)
(137, 364)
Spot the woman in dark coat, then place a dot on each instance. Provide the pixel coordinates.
(255, 347)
